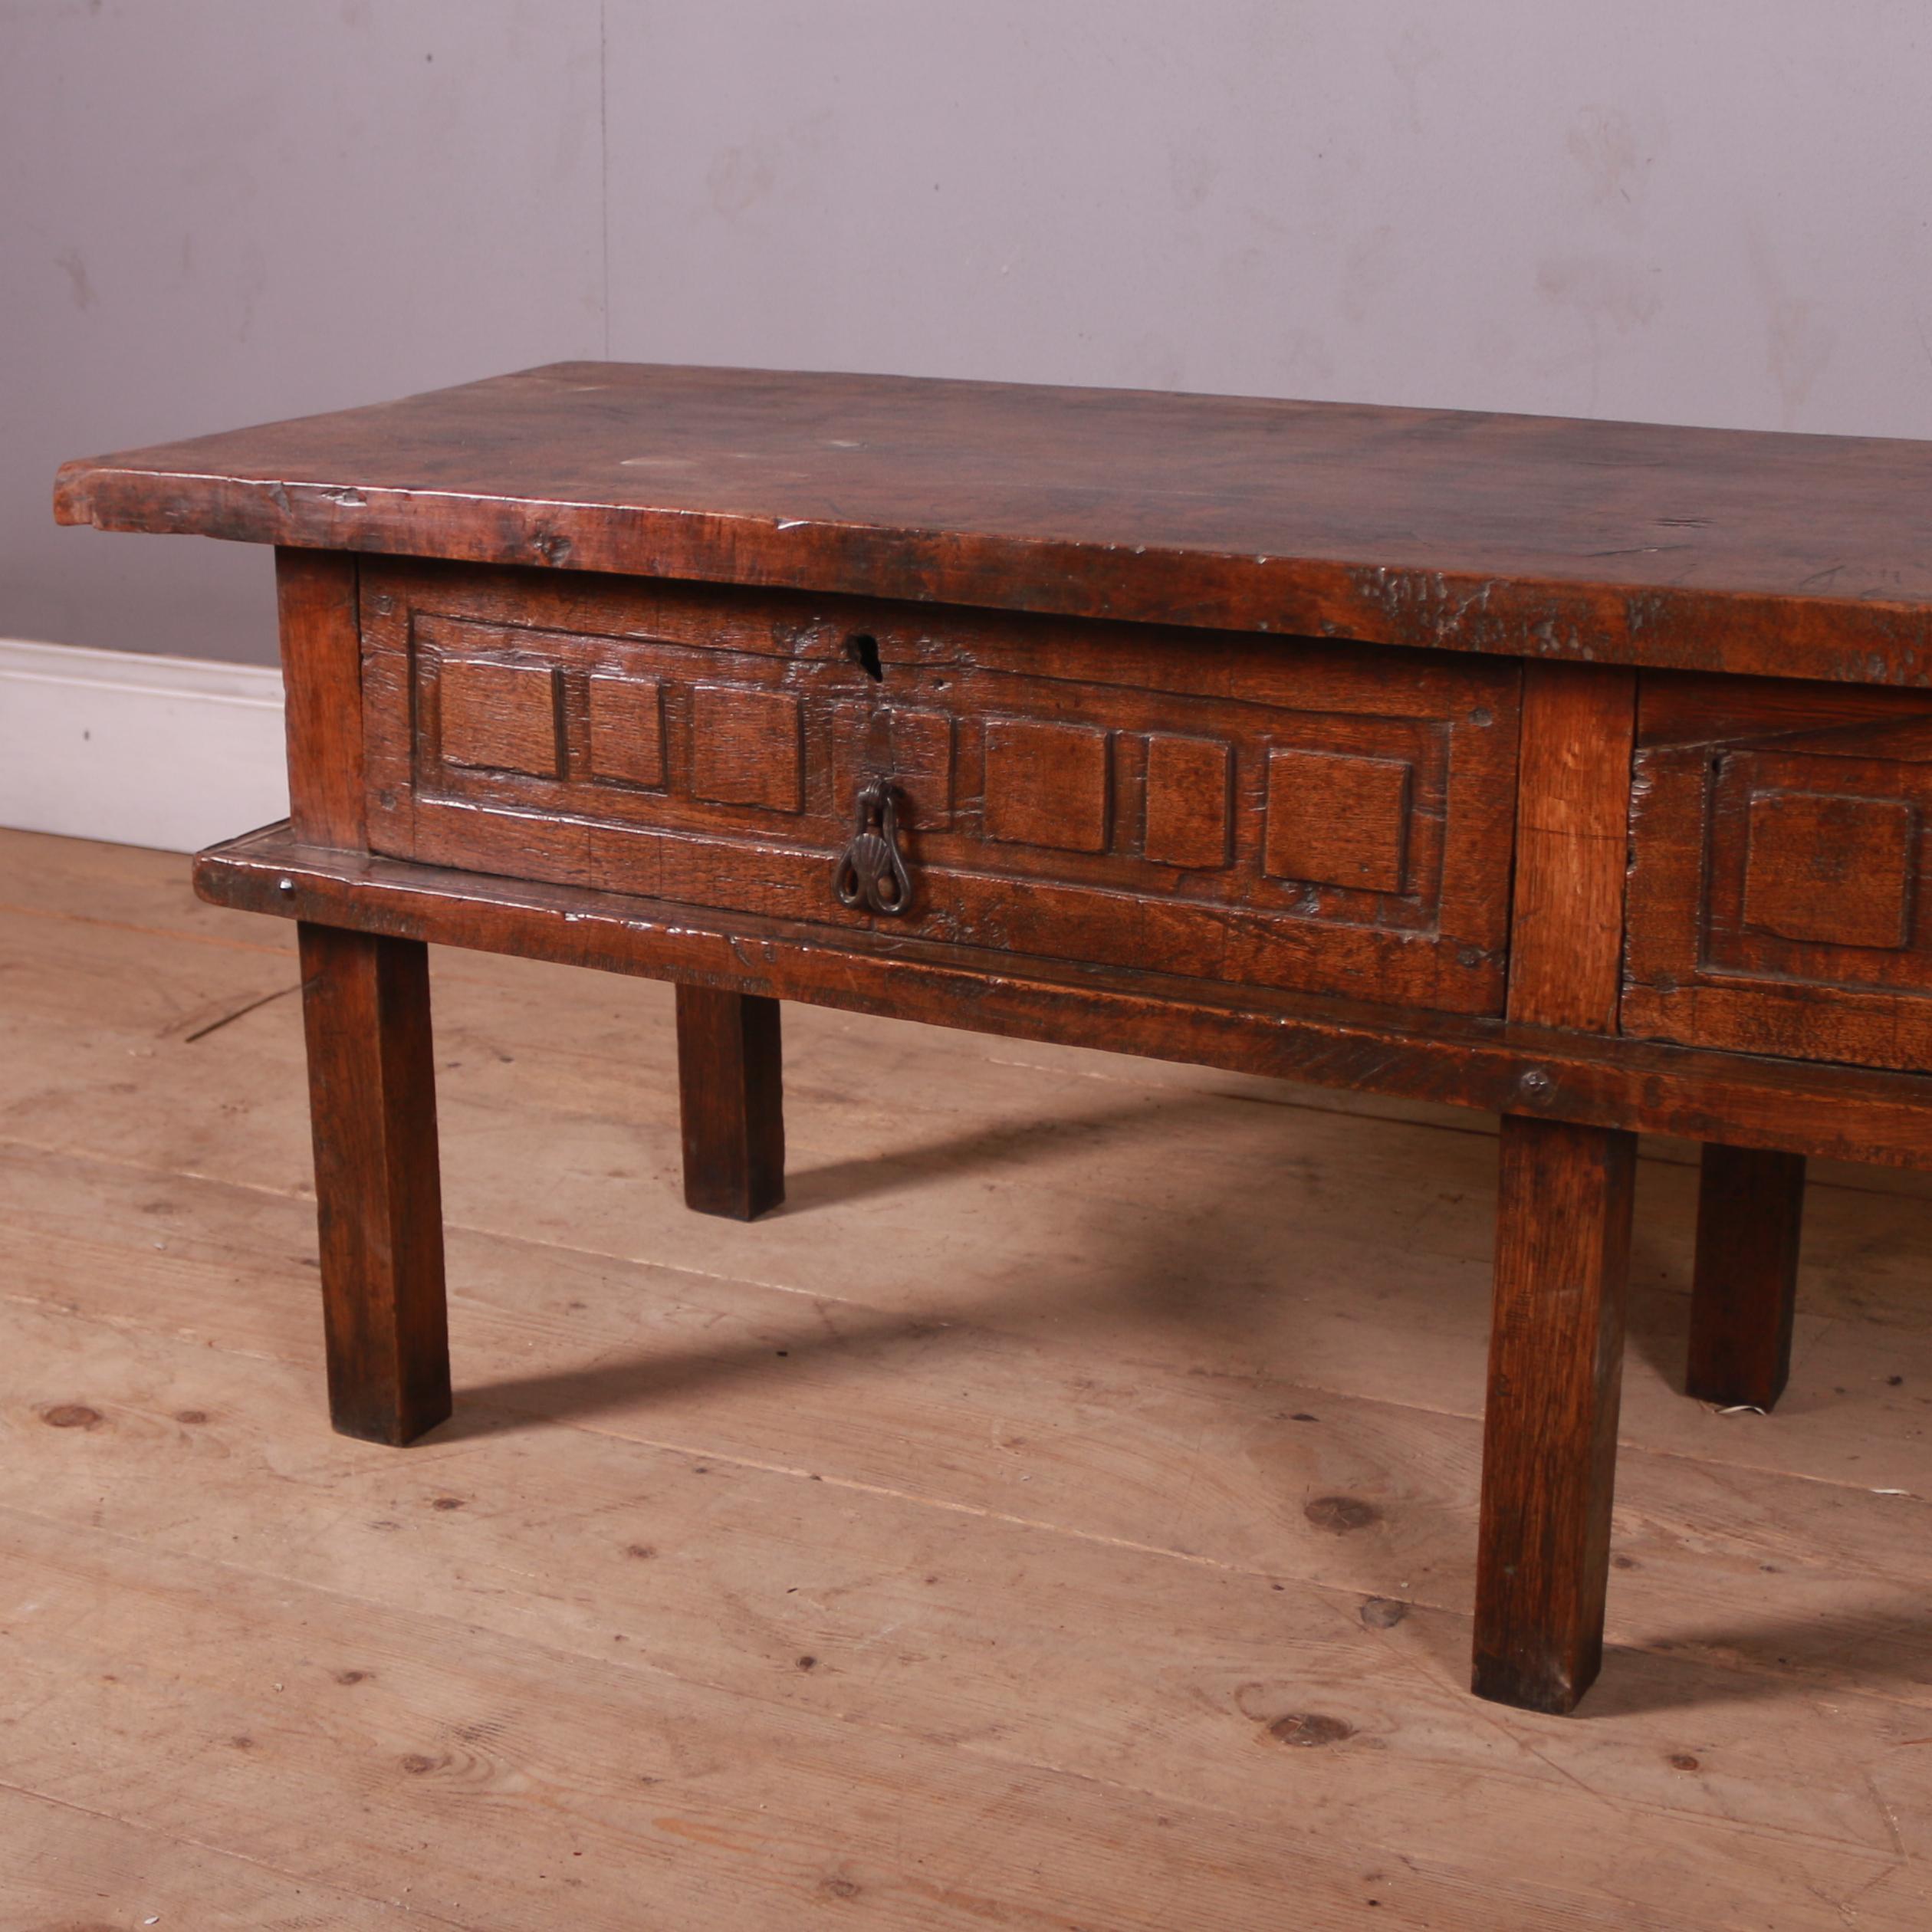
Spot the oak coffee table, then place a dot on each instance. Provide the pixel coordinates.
(1577, 771)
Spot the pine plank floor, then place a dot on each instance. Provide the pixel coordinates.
(1060, 1516)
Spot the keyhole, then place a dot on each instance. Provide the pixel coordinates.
(862, 647)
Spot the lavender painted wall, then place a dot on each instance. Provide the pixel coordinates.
(219, 212)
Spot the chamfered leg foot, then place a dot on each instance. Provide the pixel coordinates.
(1750, 1210)
(1549, 1435)
(730, 1092)
(379, 1195)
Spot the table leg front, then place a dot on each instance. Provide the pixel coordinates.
(1549, 1440)
(1750, 1209)
(730, 1092)
(379, 1196)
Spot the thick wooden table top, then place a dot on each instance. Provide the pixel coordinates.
(1626, 543)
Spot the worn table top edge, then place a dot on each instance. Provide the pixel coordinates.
(1297, 585)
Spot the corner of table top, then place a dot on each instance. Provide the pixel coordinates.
(73, 490)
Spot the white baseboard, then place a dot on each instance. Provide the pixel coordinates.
(174, 752)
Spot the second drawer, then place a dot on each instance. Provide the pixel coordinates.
(1779, 866)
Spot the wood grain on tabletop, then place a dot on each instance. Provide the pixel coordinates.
(1798, 556)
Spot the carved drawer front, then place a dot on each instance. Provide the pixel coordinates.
(1779, 860)
(1280, 812)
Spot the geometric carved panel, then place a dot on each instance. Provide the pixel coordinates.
(1187, 801)
(1828, 868)
(627, 731)
(1047, 785)
(923, 765)
(501, 717)
(747, 748)
(913, 748)
(708, 744)
(1776, 861)
(1336, 819)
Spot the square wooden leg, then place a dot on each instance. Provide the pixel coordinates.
(1750, 1210)
(1549, 1438)
(731, 1092)
(378, 1196)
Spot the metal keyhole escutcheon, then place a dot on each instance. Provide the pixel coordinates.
(871, 875)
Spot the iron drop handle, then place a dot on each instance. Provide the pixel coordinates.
(872, 874)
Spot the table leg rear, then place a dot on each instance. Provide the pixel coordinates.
(731, 1091)
(1750, 1208)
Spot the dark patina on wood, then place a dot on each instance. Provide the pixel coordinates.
(1544, 767)
(1317, 817)
(1548, 1073)
(1750, 1214)
(1794, 556)
(730, 1096)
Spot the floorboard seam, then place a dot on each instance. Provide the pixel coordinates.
(147, 1830)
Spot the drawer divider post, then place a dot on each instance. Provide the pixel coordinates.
(1563, 1215)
